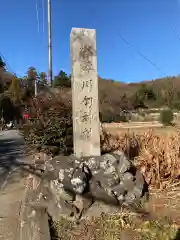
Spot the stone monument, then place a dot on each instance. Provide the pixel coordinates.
(85, 102)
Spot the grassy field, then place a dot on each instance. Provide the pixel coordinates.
(141, 128)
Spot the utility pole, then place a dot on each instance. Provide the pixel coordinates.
(49, 45)
(35, 87)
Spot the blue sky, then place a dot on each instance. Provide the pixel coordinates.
(152, 26)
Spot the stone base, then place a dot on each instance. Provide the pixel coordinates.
(33, 221)
(70, 185)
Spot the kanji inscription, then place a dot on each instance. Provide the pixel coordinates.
(88, 101)
(85, 104)
(86, 67)
(85, 116)
(86, 133)
(86, 52)
(87, 84)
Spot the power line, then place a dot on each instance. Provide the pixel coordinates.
(175, 32)
(147, 59)
(141, 54)
(37, 16)
(173, 29)
(43, 14)
(49, 45)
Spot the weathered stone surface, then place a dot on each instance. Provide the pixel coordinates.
(79, 182)
(137, 192)
(61, 167)
(139, 180)
(80, 179)
(123, 162)
(127, 180)
(92, 162)
(58, 189)
(129, 198)
(108, 160)
(97, 193)
(33, 222)
(86, 125)
(106, 180)
(119, 189)
(58, 202)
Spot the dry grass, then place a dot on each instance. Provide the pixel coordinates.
(166, 203)
(157, 155)
(116, 227)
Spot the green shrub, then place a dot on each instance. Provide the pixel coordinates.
(50, 126)
(166, 117)
(121, 118)
(107, 117)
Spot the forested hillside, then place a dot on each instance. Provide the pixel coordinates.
(115, 97)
